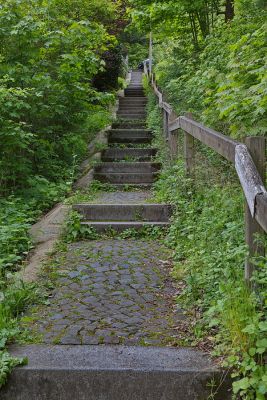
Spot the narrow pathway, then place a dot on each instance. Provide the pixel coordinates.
(117, 291)
(112, 317)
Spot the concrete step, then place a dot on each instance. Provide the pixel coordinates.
(113, 373)
(127, 167)
(134, 90)
(133, 186)
(124, 154)
(129, 125)
(131, 116)
(129, 136)
(133, 93)
(126, 178)
(131, 110)
(125, 212)
(132, 106)
(132, 121)
(118, 226)
(134, 131)
(134, 100)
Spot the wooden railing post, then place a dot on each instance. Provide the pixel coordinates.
(166, 124)
(173, 136)
(189, 153)
(256, 146)
(150, 53)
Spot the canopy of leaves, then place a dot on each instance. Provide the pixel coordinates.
(51, 51)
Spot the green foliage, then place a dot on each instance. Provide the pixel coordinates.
(224, 85)
(7, 363)
(15, 297)
(74, 229)
(51, 53)
(137, 54)
(15, 220)
(47, 67)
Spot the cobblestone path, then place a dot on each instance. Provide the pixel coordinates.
(116, 291)
(111, 292)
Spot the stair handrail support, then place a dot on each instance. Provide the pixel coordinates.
(248, 158)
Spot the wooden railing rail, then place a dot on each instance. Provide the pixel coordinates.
(248, 159)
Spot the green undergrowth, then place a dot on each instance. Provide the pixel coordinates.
(18, 211)
(15, 297)
(207, 238)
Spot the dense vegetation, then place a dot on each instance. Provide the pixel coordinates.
(210, 59)
(55, 94)
(207, 236)
(216, 71)
(59, 66)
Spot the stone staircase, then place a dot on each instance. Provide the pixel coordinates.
(112, 313)
(126, 163)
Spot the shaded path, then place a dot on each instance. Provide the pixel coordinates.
(114, 296)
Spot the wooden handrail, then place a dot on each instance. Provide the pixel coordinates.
(235, 152)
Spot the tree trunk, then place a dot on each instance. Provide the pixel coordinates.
(229, 10)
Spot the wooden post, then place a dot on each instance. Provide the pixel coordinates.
(165, 124)
(173, 138)
(256, 146)
(150, 53)
(189, 152)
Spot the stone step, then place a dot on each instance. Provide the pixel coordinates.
(127, 167)
(134, 90)
(129, 139)
(126, 178)
(133, 186)
(132, 106)
(140, 107)
(125, 212)
(127, 110)
(124, 154)
(118, 226)
(134, 100)
(131, 110)
(133, 93)
(134, 131)
(129, 125)
(84, 372)
(131, 116)
(139, 89)
(129, 136)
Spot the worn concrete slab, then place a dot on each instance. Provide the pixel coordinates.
(126, 178)
(125, 212)
(128, 167)
(112, 373)
(124, 154)
(50, 225)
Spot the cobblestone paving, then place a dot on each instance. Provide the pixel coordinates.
(111, 292)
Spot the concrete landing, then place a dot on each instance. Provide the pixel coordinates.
(112, 373)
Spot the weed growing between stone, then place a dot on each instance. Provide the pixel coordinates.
(74, 230)
(207, 238)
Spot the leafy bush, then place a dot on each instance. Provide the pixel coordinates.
(47, 67)
(224, 82)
